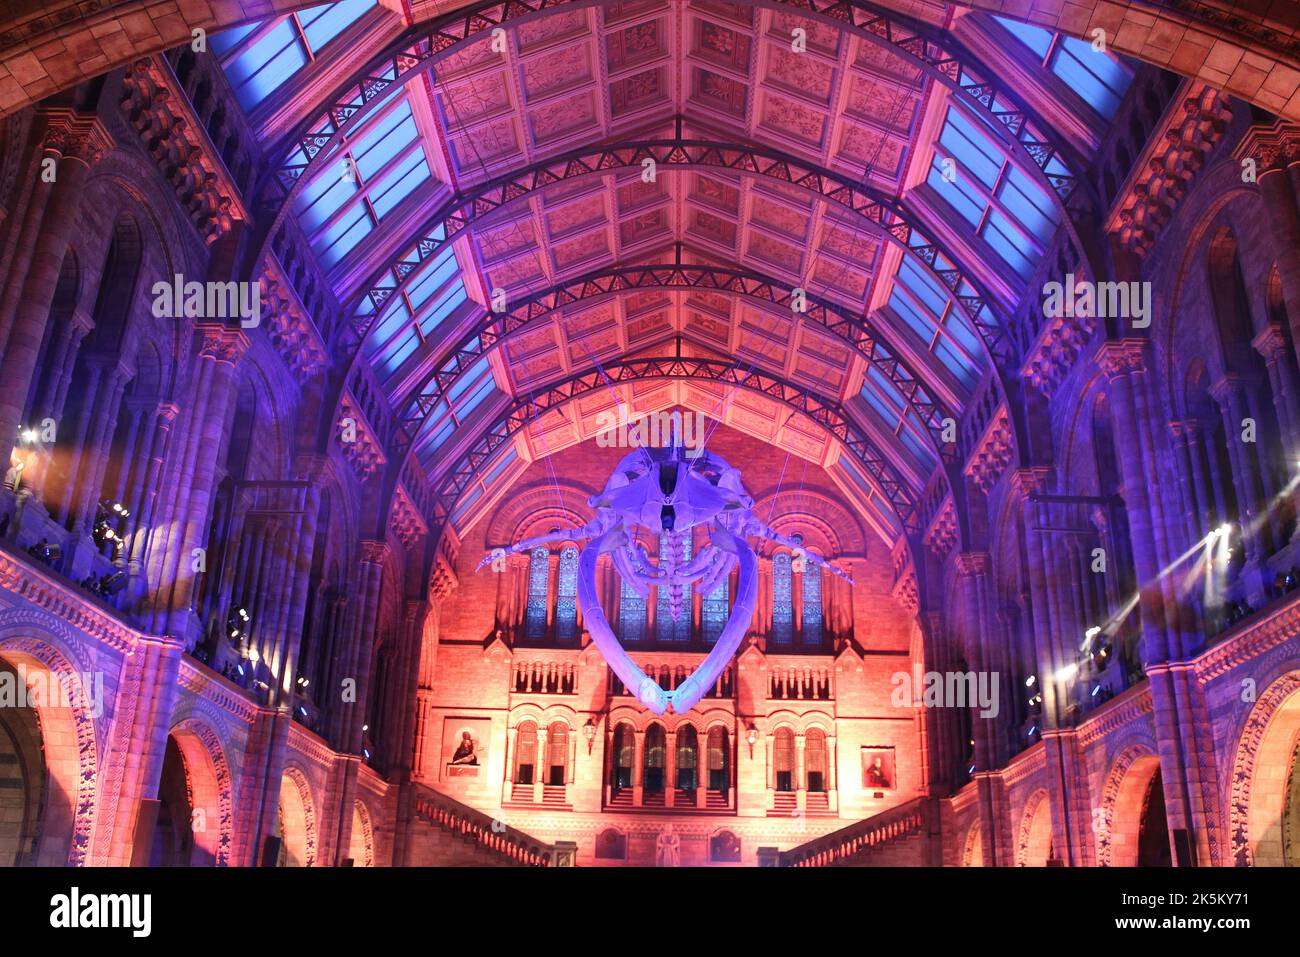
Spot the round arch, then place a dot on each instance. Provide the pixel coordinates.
(972, 854)
(1034, 843)
(361, 842)
(1264, 772)
(1125, 796)
(210, 791)
(296, 821)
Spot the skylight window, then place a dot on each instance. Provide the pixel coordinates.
(470, 391)
(931, 316)
(889, 404)
(1000, 201)
(379, 166)
(1100, 78)
(260, 57)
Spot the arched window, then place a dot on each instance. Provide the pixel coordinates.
(714, 610)
(719, 757)
(815, 760)
(624, 756)
(539, 581)
(566, 602)
(652, 775)
(526, 753)
(812, 603)
(688, 759)
(668, 628)
(783, 759)
(782, 604)
(557, 752)
(631, 614)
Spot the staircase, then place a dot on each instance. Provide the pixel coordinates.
(446, 833)
(899, 837)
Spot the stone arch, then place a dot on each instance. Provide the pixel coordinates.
(211, 790)
(1034, 838)
(972, 854)
(1265, 756)
(296, 820)
(70, 745)
(361, 843)
(1118, 825)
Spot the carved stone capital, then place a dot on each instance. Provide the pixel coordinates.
(1271, 343)
(374, 552)
(1121, 357)
(1026, 481)
(74, 135)
(222, 343)
(973, 563)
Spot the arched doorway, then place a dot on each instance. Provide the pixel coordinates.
(624, 758)
(173, 834)
(1035, 848)
(296, 822)
(1138, 831)
(47, 733)
(361, 843)
(972, 854)
(194, 794)
(1264, 802)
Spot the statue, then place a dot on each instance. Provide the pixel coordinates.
(668, 493)
(668, 847)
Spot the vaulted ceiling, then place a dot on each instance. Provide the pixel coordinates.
(798, 208)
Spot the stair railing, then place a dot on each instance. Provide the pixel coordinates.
(843, 845)
(489, 833)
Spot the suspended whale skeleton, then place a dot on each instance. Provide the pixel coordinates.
(669, 491)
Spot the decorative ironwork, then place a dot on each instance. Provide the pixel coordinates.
(493, 328)
(452, 481)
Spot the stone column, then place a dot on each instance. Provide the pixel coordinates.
(670, 768)
(75, 143)
(214, 388)
(1229, 393)
(638, 768)
(1275, 148)
(540, 760)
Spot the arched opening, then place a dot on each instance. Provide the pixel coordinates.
(815, 760)
(1036, 833)
(526, 753)
(688, 762)
(173, 835)
(652, 774)
(1265, 804)
(783, 759)
(719, 756)
(295, 824)
(47, 738)
(973, 850)
(23, 778)
(361, 842)
(1137, 822)
(624, 757)
(557, 753)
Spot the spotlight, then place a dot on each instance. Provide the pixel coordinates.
(302, 711)
(1029, 682)
(30, 435)
(1224, 529)
(1032, 729)
(1066, 673)
(1092, 632)
(1095, 690)
(254, 656)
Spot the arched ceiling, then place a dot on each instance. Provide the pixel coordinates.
(820, 218)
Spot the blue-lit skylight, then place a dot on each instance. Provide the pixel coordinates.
(1001, 201)
(928, 312)
(260, 57)
(1100, 78)
(469, 392)
(378, 167)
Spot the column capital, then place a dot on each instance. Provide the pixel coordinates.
(1026, 481)
(374, 552)
(1273, 146)
(75, 135)
(1271, 343)
(973, 563)
(1120, 357)
(1230, 384)
(1184, 428)
(222, 343)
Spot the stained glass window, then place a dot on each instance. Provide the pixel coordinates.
(714, 610)
(812, 604)
(666, 629)
(631, 614)
(539, 575)
(782, 602)
(566, 602)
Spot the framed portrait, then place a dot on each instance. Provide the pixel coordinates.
(878, 771)
(465, 746)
